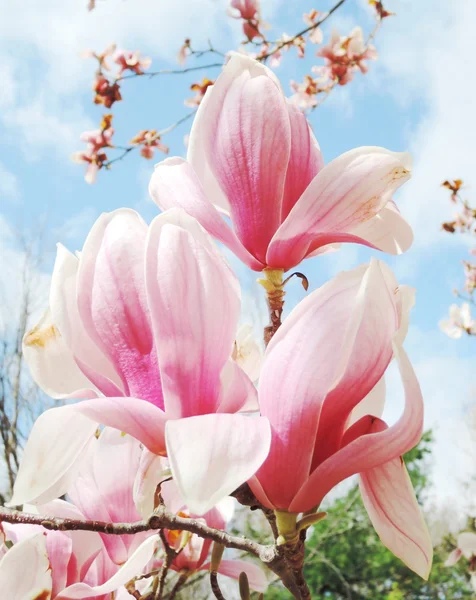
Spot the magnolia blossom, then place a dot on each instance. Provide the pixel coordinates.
(106, 92)
(183, 52)
(94, 155)
(466, 547)
(470, 274)
(249, 11)
(459, 322)
(345, 55)
(305, 93)
(65, 565)
(252, 157)
(324, 395)
(143, 323)
(131, 61)
(310, 19)
(194, 550)
(150, 141)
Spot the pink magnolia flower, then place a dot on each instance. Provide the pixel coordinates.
(345, 55)
(94, 155)
(253, 157)
(106, 92)
(310, 19)
(143, 323)
(132, 61)
(183, 52)
(332, 428)
(194, 550)
(460, 321)
(249, 11)
(65, 565)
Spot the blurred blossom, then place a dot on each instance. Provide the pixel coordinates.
(150, 141)
(131, 61)
(310, 19)
(183, 52)
(199, 89)
(460, 321)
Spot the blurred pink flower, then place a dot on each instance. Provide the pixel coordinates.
(150, 141)
(132, 61)
(200, 90)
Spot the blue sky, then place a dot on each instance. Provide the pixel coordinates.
(417, 97)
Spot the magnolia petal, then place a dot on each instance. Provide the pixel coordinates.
(113, 304)
(305, 159)
(347, 192)
(52, 363)
(174, 183)
(53, 455)
(233, 568)
(246, 136)
(237, 392)
(25, 572)
(211, 455)
(390, 500)
(453, 557)
(195, 300)
(139, 418)
(371, 450)
(387, 230)
(130, 569)
(65, 316)
(247, 352)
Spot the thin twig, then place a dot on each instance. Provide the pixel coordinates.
(215, 586)
(170, 555)
(151, 74)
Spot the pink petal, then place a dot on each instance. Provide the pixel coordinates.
(453, 557)
(237, 391)
(52, 456)
(65, 315)
(130, 569)
(52, 363)
(195, 302)
(174, 183)
(211, 455)
(389, 498)
(349, 191)
(112, 301)
(139, 418)
(233, 568)
(372, 450)
(305, 159)
(387, 230)
(246, 137)
(20, 583)
(59, 548)
(307, 369)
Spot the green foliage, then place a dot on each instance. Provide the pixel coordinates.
(346, 560)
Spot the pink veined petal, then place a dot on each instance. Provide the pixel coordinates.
(86, 545)
(211, 455)
(232, 568)
(365, 354)
(198, 158)
(139, 418)
(237, 391)
(246, 136)
(53, 454)
(65, 316)
(371, 450)
(52, 363)
(20, 583)
(389, 498)
(387, 230)
(305, 159)
(195, 302)
(112, 301)
(175, 184)
(59, 547)
(297, 368)
(453, 557)
(349, 191)
(130, 569)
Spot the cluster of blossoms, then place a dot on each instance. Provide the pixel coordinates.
(249, 12)
(142, 326)
(199, 89)
(149, 140)
(464, 221)
(96, 141)
(466, 548)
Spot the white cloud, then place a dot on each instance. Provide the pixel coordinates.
(426, 53)
(76, 227)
